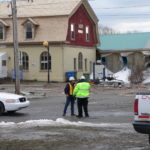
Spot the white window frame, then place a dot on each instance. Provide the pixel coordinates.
(3, 31)
(80, 61)
(24, 60)
(87, 33)
(85, 60)
(75, 63)
(72, 31)
(32, 30)
(45, 61)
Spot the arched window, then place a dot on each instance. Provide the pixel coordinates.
(1, 31)
(44, 61)
(29, 30)
(24, 60)
(80, 61)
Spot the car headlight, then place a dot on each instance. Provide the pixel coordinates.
(11, 101)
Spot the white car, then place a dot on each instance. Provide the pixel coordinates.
(12, 102)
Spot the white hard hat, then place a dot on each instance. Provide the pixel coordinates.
(82, 78)
(71, 78)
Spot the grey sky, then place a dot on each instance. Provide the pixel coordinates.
(123, 15)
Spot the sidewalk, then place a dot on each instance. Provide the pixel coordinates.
(35, 89)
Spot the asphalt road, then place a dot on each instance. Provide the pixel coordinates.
(109, 126)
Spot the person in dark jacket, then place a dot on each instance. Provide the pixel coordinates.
(69, 96)
(82, 93)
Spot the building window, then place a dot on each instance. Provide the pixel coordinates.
(4, 63)
(80, 61)
(1, 31)
(91, 67)
(75, 63)
(25, 61)
(87, 32)
(125, 61)
(85, 64)
(44, 61)
(104, 60)
(29, 30)
(72, 31)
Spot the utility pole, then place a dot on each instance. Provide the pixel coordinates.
(16, 51)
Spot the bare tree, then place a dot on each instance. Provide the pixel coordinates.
(107, 30)
(136, 76)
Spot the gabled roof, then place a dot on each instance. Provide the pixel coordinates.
(30, 20)
(4, 23)
(125, 41)
(59, 10)
(39, 8)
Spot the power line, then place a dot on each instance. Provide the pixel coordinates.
(40, 4)
(127, 15)
(135, 6)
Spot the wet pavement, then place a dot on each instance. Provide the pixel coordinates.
(42, 127)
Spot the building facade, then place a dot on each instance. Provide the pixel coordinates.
(130, 50)
(69, 26)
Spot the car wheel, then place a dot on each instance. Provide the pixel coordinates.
(1, 109)
(11, 112)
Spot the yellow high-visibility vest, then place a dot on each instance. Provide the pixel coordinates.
(71, 88)
(82, 90)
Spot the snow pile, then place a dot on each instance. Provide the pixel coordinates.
(147, 80)
(146, 76)
(58, 122)
(123, 75)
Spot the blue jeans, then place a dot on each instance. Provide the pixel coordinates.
(69, 99)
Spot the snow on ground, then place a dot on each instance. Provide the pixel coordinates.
(147, 80)
(123, 75)
(146, 76)
(58, 122)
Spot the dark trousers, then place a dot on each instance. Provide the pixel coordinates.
(82, 105)
(69, 99)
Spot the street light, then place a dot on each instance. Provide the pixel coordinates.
(46, 44)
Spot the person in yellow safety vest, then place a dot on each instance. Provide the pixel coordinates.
(69, 96)
(82, 93)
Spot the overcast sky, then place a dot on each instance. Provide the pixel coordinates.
(123, 15)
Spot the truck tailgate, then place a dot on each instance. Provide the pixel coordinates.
(144, 106)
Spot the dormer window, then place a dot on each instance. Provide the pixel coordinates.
(3, 27)
(72, 26)
(30, 28)
(1, 31)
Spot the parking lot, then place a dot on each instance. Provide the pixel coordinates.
(42, 127)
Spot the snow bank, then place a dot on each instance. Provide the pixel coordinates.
(147, 80)
(146, 76)
(123, 75)
(58, 122)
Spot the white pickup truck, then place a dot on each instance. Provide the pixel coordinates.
(142, 113)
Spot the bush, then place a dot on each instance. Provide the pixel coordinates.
(136, 76)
